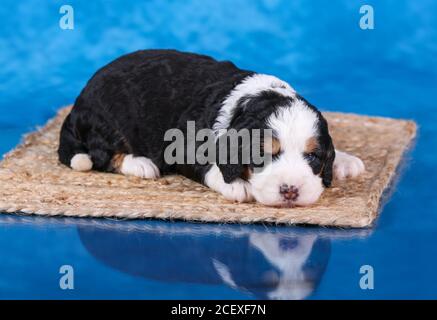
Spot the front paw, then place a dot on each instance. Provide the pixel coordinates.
(347, 166)
(239, 190)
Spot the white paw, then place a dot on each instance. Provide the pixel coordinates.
(238, 190)
(347, 166)
(81, 162)
(139, 167)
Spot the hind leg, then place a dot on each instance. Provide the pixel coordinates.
(126, 164)
(105, 155)
(89, 141)
(131, 165)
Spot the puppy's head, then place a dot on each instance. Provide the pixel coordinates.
(302, 157)
(300, 149)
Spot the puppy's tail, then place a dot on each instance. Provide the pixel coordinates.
(72, 151)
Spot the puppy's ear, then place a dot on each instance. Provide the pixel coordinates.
(229, 159)
(327, 168)
(231, 172)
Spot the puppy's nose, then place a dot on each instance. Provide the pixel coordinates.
(289, 192)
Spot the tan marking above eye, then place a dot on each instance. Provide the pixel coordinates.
(311, 145)
(272, 145)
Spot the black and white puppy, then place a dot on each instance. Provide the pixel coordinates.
(119, 120)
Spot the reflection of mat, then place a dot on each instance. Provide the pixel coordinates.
(32, 181)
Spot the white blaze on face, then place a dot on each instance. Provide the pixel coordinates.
(251, 85)
(293, 126)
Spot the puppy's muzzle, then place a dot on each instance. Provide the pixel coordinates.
(289, 193)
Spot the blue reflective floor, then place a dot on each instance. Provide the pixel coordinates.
(322, 52)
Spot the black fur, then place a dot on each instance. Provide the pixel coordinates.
(128, 105)
(325, 155)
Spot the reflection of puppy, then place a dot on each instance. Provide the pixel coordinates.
(119, 120)
(294, 280)
(266, 264)
(290, 260)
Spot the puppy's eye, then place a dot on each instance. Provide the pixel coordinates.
(311, 156)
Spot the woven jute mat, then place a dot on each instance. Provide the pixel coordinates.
(33, 182)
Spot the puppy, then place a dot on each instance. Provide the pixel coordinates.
(120, 119)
